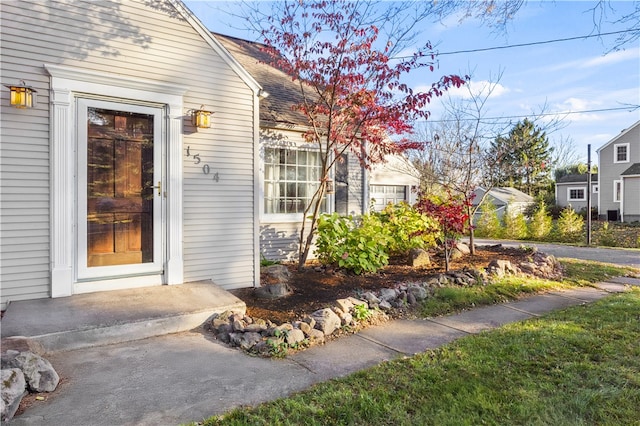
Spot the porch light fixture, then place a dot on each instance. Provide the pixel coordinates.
(201, 118)
(331, 189)
(22, 96)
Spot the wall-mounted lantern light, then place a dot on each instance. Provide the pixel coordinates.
(201, 118)
(331, 189)
(22, 96)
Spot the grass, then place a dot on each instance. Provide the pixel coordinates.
(571, 367)
(580, 273)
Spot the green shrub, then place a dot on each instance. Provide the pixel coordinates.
(488, 225)
(515, 225)
(606, 236)
(541, 223)
(356, 245)
(407, 228)
(569, 226)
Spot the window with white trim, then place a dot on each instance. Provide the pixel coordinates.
(576, 194)
(617, 191)
(621, 153)
(291, 177)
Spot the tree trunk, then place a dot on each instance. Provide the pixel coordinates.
(306, 241)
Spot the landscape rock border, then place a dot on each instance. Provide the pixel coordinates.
(23, 372)
(265, 338)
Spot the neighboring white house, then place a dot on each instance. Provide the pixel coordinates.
(106, 183)
(290, 168)
(619, 175)
(504, 198)
(571, 190)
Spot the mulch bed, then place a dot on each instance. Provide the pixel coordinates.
(313, 290)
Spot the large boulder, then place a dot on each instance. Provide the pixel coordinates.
(275, 282)
(275, 273)
(419, 258)
(14, 388)
(38, 372)
(273, 291)
(326, 321)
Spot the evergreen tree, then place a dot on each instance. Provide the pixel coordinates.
(541, 223)
(515, 225)
(522, 158)
(570, 226)
(488, 225)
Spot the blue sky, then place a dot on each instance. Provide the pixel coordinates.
(577, 75)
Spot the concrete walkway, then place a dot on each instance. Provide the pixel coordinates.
(186, 377)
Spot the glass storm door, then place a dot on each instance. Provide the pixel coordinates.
(119, 189)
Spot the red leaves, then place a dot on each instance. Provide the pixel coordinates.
(450, 213)
(353, 91)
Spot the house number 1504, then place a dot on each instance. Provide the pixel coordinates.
(205, 167)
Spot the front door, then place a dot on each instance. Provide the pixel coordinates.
(119, 190)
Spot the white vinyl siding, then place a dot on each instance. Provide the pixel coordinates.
(631, 198)
(129, 39)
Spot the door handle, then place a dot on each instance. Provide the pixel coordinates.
(159, 187)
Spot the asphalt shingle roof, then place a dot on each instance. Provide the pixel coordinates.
(283, 91)
(633, 170)
(577, 178)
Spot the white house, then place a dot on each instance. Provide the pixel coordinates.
(106, 182)
(503, 198)
(619, 175)
(290, 167)
(571, 190)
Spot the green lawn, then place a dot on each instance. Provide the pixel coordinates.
(571, 367)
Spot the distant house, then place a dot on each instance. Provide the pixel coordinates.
(289, 166)
(504, 198)
(619, 175)
(571, 190)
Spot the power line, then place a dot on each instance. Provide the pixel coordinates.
(533, 43)
(630, 108)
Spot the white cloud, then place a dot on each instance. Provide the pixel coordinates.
(594, 61)
(612, 58)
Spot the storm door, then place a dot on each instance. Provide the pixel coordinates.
(120, 190)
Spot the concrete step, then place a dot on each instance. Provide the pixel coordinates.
(103, 318)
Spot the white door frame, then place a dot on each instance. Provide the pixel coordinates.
(83, 271)
(67, 84)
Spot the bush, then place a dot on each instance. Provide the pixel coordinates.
(606, 237)
(356, 245)
(488, 225)
(408, 228)
(541, 223)
(570, 226)
(515, 225)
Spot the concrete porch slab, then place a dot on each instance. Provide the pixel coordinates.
(102, 318)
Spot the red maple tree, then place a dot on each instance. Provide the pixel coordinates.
(354, 95)
(452, 215)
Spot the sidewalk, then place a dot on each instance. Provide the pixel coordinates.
(186, 377)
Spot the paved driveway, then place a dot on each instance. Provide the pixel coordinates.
(627, 257)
